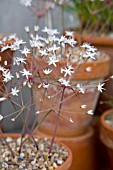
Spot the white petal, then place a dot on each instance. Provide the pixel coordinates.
(2, 99)
(1, 117)
(37, 112)
(70, 120)
(90, 112)
(111, 77)
(83, 106)
(13, 119)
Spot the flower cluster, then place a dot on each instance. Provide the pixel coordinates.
(51, 60)
(51, 68)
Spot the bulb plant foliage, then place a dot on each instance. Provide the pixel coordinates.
(94, 15)
(47, 62)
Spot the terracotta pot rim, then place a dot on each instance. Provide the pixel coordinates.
(106, 130)
(103, 123)
(69, 158)
(7, 42)
(96, 40)
(78, 138)
(101, 64)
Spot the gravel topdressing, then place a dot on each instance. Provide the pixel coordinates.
(31, 158)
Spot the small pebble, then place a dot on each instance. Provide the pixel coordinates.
(19, 141)
(51, 168)
(22, 156)
(46, 155)
(41, 147)
(33, 162)
(55, 165)
(6, 159)
(60, 162)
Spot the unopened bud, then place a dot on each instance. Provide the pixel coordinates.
(36, 28)
(5, 63)
(27, 29)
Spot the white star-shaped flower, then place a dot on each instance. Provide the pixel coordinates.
(19, 42)
(16, 45)
(43, 52)
(50, 32)
(26, 3)
(12, 36)
(71, 42)
(67, 71)
(100, 87)
(36, 43)
(14, 91)
(64, 82)
(44, 40)
(25, 51)
(5, 48)
(47, 71)
(89, 54)
(85, 45)
(61, 40)
(89, 47)
(92, 49)
(54, 48)
(69, 33)
(53, 61)
(19, 60)
(25, 73)
(46, 30)
(51, 39)
(81, 88)
(7, 76)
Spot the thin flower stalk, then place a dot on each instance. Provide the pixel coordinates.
(57, 121)
(2, 135)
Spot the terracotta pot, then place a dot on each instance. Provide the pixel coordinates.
(104, 44)
(65, 166)
(72, 107)
(109, 85)
(101, 152)
(96, 40)
(106, 135)
(6, 55)
(83, 150)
